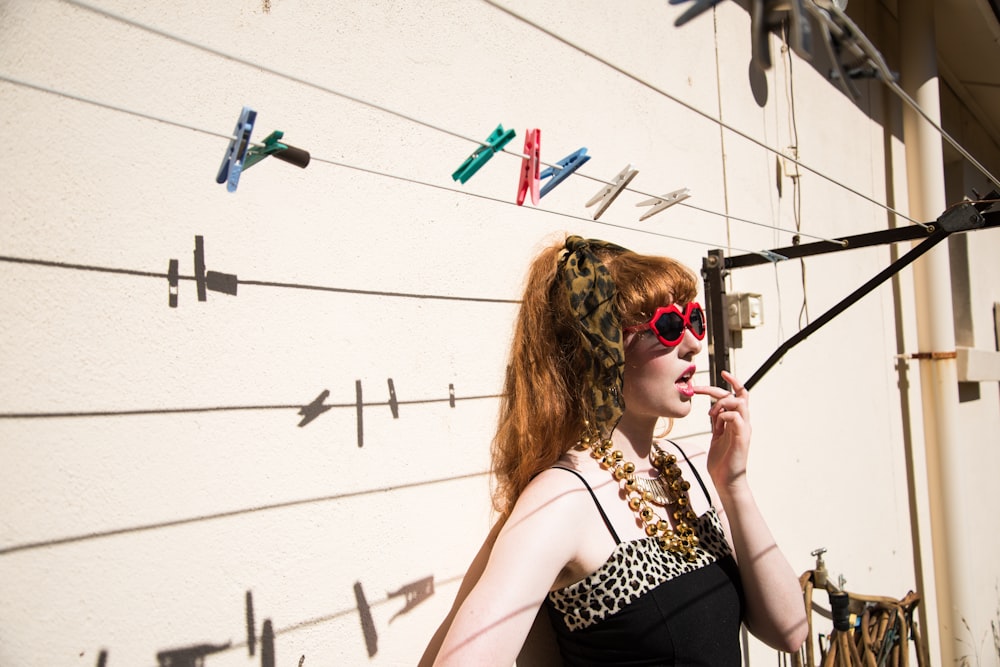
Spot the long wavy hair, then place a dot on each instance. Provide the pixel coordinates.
(543, 408)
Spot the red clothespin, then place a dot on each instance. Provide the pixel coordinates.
(530, 167)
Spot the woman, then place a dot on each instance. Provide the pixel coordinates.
(641, 552)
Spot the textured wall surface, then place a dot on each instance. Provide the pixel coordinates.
(297, 473)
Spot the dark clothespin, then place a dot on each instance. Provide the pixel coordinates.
(282, 151)
(232, 161)
(663, 202)
(766, 15)
(693, 11)
(495, 142)
(563, 169)
(529, 167)
(611, 191)
(846, 44)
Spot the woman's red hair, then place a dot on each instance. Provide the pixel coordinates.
(543, 409)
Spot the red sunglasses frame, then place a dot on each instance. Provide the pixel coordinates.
(685, 321)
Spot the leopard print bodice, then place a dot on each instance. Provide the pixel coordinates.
(649, 606)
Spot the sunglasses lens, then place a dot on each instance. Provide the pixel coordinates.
(669, 327)
(698, 321)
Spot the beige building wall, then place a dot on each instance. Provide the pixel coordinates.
(166, 489)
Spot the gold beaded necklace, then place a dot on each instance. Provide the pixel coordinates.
(668, 488)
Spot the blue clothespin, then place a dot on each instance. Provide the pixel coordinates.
(495, 142)
(771, 256)
(566, 166)
(663, 202)
(232, 162)
(282, 151)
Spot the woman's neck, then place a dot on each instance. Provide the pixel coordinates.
(634, 437)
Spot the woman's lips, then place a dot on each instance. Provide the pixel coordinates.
(683, 383)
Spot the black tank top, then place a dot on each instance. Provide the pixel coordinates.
(649, 606)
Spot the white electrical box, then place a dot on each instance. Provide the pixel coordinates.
(745, 311)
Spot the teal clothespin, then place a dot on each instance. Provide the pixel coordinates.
(495, 142)
(273, 146)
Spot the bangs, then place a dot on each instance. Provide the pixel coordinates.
(645, 283)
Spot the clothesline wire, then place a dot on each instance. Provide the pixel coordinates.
(696, 110)
(337, 163)
(357, 100)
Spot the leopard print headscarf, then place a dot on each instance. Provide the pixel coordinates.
(591, 293)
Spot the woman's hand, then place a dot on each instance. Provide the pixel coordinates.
(730, 417)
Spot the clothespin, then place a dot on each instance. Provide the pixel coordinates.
(529, 167)
(771, 256)
(495, 142)
(610, 192)
(693, 11)
(563, 169)
(663, 202)
(232, 162)
(282, 151)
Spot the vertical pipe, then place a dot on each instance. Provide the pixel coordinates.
(935, 332)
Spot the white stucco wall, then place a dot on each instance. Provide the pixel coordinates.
(153, 473)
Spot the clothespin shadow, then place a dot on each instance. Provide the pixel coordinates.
(315, 409)
(562, 170)
(205, 280)
(251, 625)
(273, 146)
(393, 403)
(414, 593)
(767, 15)
(610, 192)
(216, 281)
(172, 282)
(693, 11)
(663, 202)
(529, 181)
(367, 622)
(239, 144)
(495, 142)
(188, 656)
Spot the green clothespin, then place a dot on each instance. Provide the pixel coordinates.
(273, 146)
(495, 142)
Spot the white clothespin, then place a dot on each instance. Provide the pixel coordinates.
(663, 202)
(610, 192)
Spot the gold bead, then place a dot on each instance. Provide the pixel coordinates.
(634, 503)
(682, 502)
(631, 485)
(620, 473)
(651, 529)
(662, 526)
(628, 467)
(694, 540)
(690, 515)
(647, 496)
(646, 514)
(670, 460)
(660, 461)
(617, 455)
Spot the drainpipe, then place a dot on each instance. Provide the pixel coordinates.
(935, 328)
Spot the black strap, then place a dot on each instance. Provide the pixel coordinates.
(600, 509)
(694, 470)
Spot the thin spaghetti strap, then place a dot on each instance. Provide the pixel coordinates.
(607, 522)
(695, 471)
